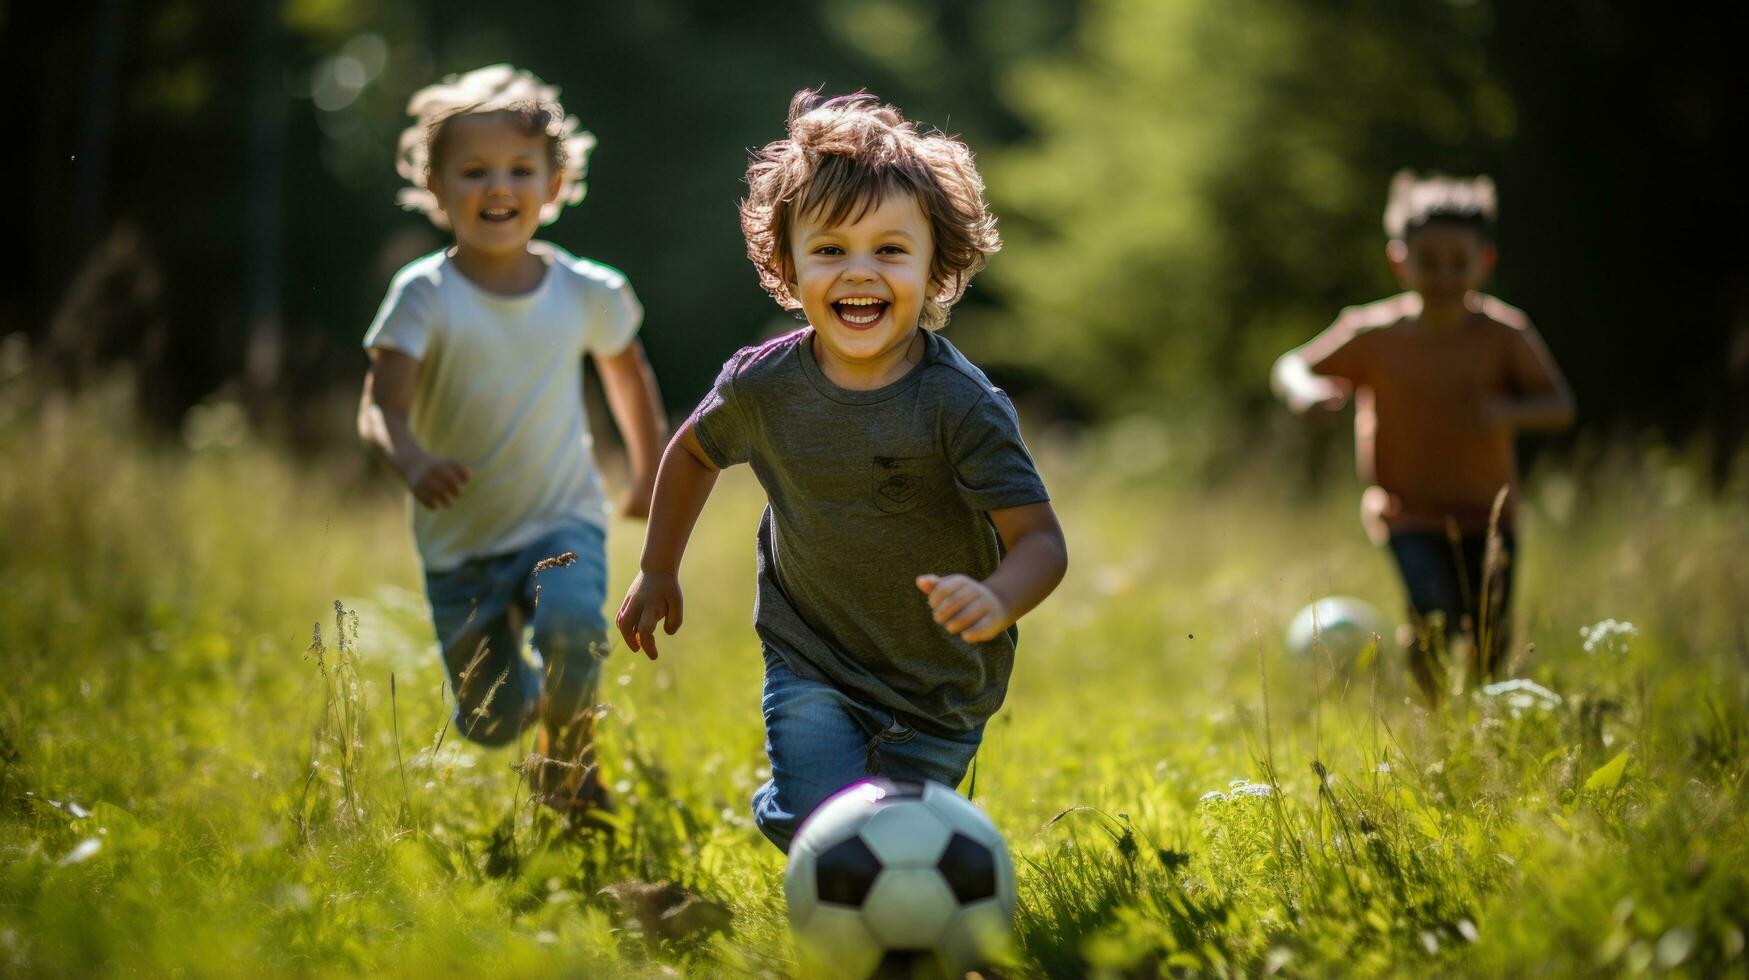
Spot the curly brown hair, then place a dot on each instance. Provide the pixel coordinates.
(842, 156)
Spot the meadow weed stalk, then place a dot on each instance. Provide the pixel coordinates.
(1490, 610)
(481, 650)
(340, 735)
(406, 813)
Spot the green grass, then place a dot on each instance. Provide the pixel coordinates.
(156, 611)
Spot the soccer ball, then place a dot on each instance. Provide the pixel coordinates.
(898, 877)
(1341, 625)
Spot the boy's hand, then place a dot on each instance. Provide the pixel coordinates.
(965, 606)
(1323, 397)
(653, 598)
(437, 482)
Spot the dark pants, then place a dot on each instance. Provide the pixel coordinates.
(1454, 587)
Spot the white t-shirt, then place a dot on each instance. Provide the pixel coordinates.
(501, 390)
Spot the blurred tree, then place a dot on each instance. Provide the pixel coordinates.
(1187, 187)
(1206, 183)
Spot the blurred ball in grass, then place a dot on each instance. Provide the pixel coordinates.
(1338, 626)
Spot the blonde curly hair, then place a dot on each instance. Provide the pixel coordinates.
(530, 103)
(842, 156)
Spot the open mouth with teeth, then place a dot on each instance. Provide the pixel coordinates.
(498, 214)
(860, 312)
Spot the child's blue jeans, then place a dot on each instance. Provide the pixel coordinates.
(1446, 577)
(820, 740)
(479, 610)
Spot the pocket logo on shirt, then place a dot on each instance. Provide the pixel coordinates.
(898, 483)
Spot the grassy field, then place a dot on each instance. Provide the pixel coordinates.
(189, 784)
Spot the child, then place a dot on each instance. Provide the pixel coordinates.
(1443, 377)
(474, 396)
(907, 529)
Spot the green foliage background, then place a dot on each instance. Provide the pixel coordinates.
(1187, 187)
(1202, 188)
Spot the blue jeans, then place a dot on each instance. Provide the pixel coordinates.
(1452, 579)
(820, 740)
(1443, 576)
(480, 608)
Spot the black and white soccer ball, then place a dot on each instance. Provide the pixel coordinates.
(898, 877)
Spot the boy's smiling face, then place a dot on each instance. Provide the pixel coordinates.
(492, 180)
(862, 285)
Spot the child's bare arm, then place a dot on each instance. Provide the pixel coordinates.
(1542, 399)
(1302, 389)
(1549, 412)
(632, 395)
(1034, 560)
(382, 424)
(683, 484)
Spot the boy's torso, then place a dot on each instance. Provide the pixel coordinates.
(1422, 428)
(863, 499)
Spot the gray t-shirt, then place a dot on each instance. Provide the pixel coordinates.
(868, 490)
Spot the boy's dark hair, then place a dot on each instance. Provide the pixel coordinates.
(841, 157)
(1416, 202)
(530, 105)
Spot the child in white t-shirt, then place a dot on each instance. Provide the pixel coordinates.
(474, 395)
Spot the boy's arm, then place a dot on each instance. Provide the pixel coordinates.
(1034, 560)
(636, 404)
(1302, 389)
(382, 424)
(1542, 399)
(1322, 372)
(1549, 412)
(683, 484)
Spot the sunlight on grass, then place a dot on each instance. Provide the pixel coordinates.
(190, 779)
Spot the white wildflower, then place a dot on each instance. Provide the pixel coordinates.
(1213, 796)
(1256, 791)
(1608, 637)
(82, 851)
(446, 758)
(1520, 696)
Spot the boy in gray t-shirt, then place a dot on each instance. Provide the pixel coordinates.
(907, 529)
